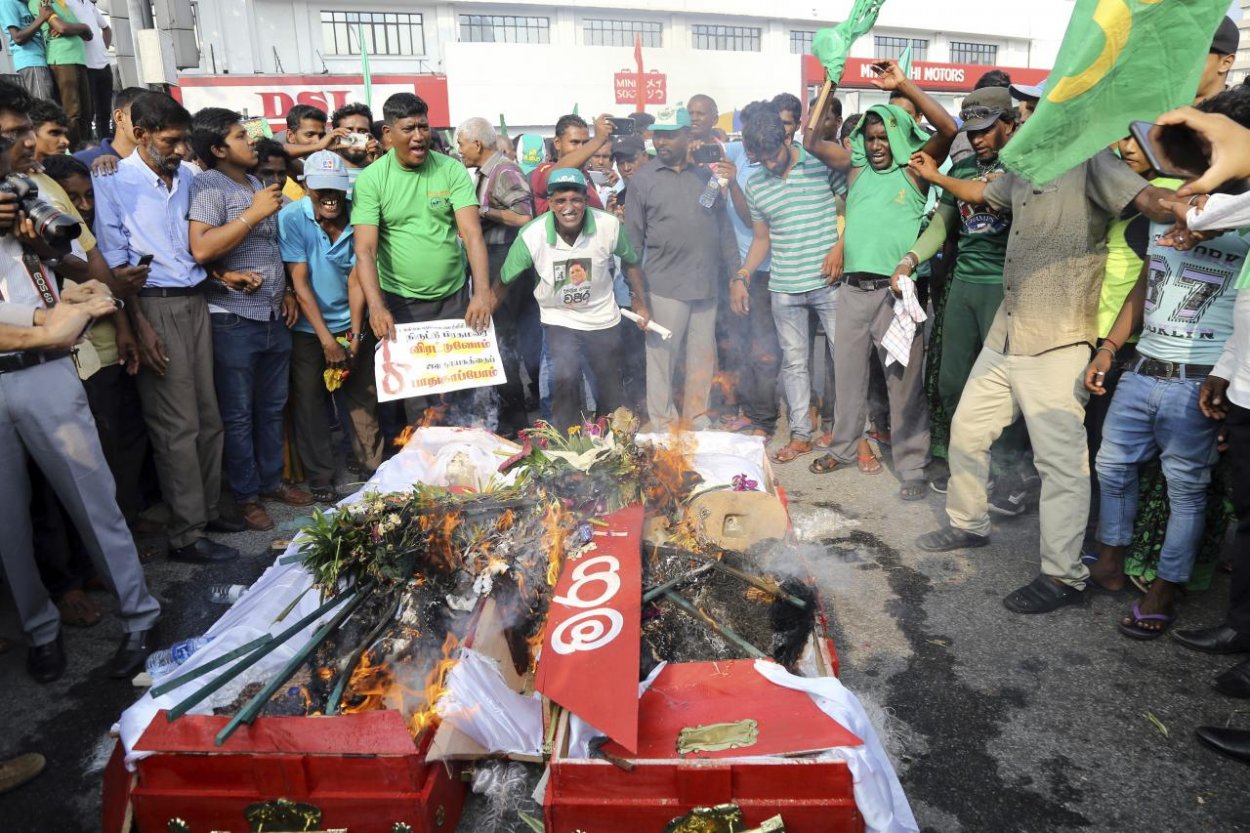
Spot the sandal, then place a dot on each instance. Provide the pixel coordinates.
(324, 494)
(879, 437)
(78, 611)
(1042, 595)
(735, 423)
(869, 464)
(1132, 625)
(910, 490)
(825, 440)
(826, 464)
(791, 451)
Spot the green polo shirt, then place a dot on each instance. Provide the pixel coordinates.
(62, 49)
(414, 210)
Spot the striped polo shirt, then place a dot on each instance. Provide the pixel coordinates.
(802, 221)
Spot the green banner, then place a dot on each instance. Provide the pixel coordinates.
(1120, 61)
(832, 45)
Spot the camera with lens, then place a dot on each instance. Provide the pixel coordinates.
(56, 228)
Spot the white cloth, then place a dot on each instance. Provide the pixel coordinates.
(878, 793)
(902, 330)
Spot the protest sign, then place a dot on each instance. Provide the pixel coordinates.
(436, 357)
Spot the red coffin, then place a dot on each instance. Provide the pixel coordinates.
(362, 771)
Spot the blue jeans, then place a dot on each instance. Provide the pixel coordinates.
(251, 369)
(1151, 418)
(790, 314)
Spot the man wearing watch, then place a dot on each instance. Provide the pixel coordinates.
(505, 204)
(315, 236)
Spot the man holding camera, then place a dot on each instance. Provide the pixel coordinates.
(44, 416)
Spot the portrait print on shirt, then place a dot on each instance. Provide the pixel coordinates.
(572, 281)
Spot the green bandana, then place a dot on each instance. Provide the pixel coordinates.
(906, 137)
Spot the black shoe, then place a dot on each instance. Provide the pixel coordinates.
(1235, 743)
(46, 663)
(1042, 595)
(132, 653)
(1235, 682)
(939, 484)
(1009, 501)
(1218, 640)
(226, 525)
(949, 538)
(204, 551)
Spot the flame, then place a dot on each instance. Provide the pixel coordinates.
(506, 520)
(555, 531)
(725, 383)
(404, 436)
(368, 686)
(671, 460)
(440, 545)
(433, 415)
(435, 688)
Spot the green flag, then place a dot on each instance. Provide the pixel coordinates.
(366, 77)
(575, 108)
(832, 45)
(1120, 61)
(503, 127)
(904, 61)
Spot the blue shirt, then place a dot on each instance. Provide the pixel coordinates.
(135, 213)
(92, 154)
(303, 240)
(16, 15)
(1190, 298)
(736, 153)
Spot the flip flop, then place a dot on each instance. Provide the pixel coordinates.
(825, 440)
(790, 452)
(1133, 629)
(869, 464)
(826, 464)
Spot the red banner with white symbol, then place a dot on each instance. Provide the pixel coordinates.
(589, 660)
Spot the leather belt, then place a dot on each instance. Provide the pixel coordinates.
(866, 282)
(1158, 369)
(171, 291)
(29, 358)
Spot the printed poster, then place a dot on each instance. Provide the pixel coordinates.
(436, 357)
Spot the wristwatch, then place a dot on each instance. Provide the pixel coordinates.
(741, 275)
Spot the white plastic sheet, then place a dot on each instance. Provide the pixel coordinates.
(479, 703)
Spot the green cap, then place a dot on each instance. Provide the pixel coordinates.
(563, 178)
(671, 118)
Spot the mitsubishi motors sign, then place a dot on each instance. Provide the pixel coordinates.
(271, 96)
(930, 76)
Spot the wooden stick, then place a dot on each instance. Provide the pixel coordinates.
(816, 114)
(726, 633)
(248, 713)
(250, 659)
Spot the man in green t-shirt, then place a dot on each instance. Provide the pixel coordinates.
(410, 209)
(67, 59)
(884, 206)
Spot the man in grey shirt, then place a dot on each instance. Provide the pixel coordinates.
(688, 251)
(1034, 357)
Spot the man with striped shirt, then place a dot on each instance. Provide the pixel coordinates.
(793, 218)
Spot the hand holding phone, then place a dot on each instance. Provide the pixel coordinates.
(622, 127)
(1172, 150)
(146, 258)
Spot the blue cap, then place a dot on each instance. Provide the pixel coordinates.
(566, 178)
(325, 170)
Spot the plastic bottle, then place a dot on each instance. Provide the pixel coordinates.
(708, 198)
(164, 661)
(225, 594)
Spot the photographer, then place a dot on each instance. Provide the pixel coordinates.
(44, 415)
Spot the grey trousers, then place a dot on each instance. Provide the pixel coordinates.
(308, 407)
(862, 320)
(38, 82)
(44, 414)
(694, 327)
(180, 409)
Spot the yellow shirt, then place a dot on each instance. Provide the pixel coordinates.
(293, 190)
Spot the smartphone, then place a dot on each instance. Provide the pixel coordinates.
(622, 127)
(708, 153)
(145, 259)
(598, 177)
(1172, 150)
(355, 140)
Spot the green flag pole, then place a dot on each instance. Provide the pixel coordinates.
(575, 108)
(366, 76)
(503, 127)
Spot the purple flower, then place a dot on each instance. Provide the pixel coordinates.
(742, 483)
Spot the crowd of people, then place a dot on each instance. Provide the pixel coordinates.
(881, 279)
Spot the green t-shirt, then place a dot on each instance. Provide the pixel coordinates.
(883, 211)
(419, 252)
(983, 230)
(62, 49)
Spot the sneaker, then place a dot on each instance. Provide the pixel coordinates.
(1010, 501)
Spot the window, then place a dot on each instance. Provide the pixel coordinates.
(621, 32)
(504, 28)
(973, 53)
(385, 33)
(727, 38)
(888, 47)
(800, 42)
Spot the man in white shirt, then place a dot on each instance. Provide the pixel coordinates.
(99, 72)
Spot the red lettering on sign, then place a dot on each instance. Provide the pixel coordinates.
(275, 105)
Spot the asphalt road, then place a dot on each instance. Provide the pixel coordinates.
(996, 722)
